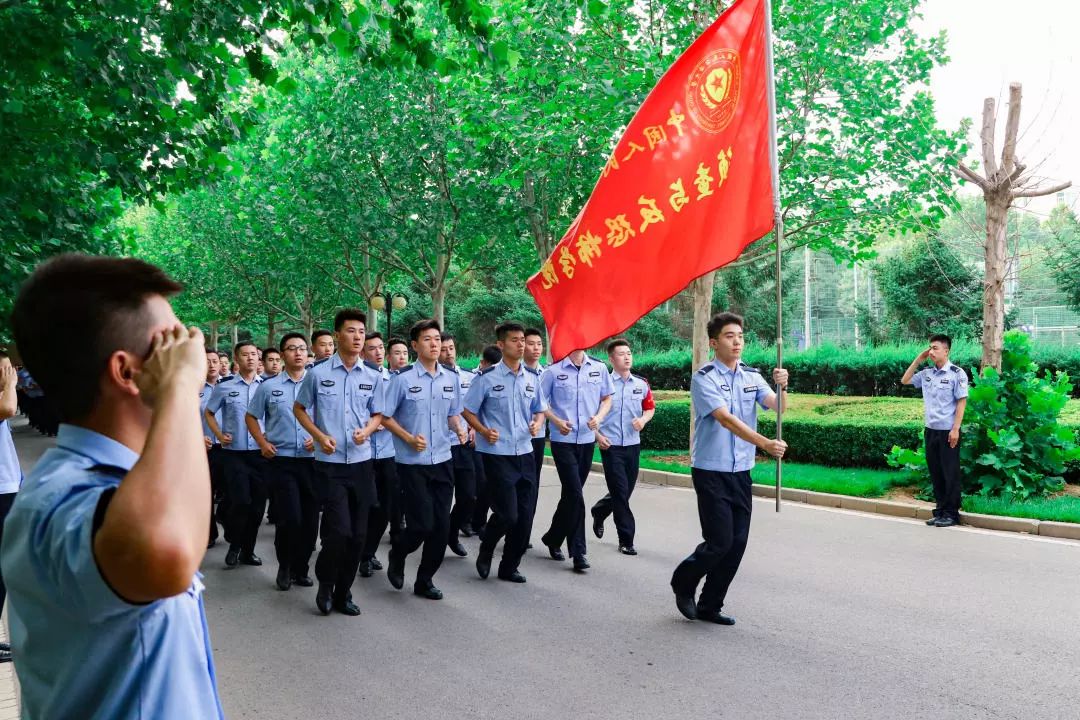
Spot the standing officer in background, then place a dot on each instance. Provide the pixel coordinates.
(423, 404)
(619, 438)
(464, 456)
(101, 550)
(244, 465)
(213, 448)
(289, 451)
(579, 395)
(944, 389)
(387, 512)
(10, 473)
(725, 394)
(322, 344)
(397, 353)
(272, 362)
(345, 397)
(505, 406)
(490, 356)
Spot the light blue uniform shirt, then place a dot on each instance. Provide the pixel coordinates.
(422, 403)
(272, 406)
(626, 400)
(941, 389)
(574, 394)
(231, 397)
(80, 650)
(506, 401)
(204, 399)
(383, 440)
(740, 391)
(342, 401)
(11, 476)
(465, 381)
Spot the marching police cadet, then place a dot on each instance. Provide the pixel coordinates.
(619, 438)
(224, 367)
(397, 353)
(388, 510)
(242, 461)
(345, 397)
(290, 471)
(534, 350)
(490, 356)
(579, 395)
(725, 394)
(423, 403)
(272, 362)
(102, 547)
(464, 456)
(505, 406)
(10, 473)
(322, 344)
(213, 448)
(944, 389)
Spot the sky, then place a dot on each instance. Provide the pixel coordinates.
(992, 43)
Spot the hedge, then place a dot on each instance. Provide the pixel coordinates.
(820, 430)
(828, 370)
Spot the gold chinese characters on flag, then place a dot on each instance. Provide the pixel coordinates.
(687, 188)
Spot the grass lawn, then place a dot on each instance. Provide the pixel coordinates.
(1060, 508)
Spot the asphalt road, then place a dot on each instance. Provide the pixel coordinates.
(840, 615)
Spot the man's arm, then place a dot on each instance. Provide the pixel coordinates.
(605, 408)
(913, 367)
(740, 429)
(958, 420)
(9, 400)
(153, 534)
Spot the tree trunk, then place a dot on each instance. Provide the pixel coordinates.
(438, 304)
(214, 333)
(702, 289)
(993, 328)
(271, 330)
(235, 335)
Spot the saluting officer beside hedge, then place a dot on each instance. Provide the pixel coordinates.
(725, 394)
(944, 389)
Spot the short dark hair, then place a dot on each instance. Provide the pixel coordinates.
(506, 328)
(318, 334)
(97, 304)
(396, 341)
(290, 336)
(374, 335)
(211, 351)
(447, 337)
(243, 344)
(943, 339)
(529, 332)
(420, 326)
(267, 351)
(347, 314)
(492, 355)
(222, 353)
(720, 321)
(617, 343)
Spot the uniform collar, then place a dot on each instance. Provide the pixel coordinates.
(505, 369)
(421, 371)
(240, 379)
(283, 377)
(337, 362)
(567, 363)
(101, 449)
(724, 369)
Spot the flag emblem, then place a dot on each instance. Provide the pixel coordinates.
(712, 90)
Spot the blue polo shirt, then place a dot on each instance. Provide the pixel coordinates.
(342, 401)
(741, 391)
(574, 394)
(272, 405)
(423, 403)
(80, 650)
(942, 389)
(506, 401)
(231, 397)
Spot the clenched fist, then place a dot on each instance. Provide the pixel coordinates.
(177, 363)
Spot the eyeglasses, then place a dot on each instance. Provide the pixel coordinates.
(296, 348)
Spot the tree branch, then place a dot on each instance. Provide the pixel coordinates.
(987, 135)
(966, 173)
(1040, 192)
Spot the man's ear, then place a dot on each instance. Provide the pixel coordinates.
(121, 371)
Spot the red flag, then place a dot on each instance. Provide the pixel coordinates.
(687, 188)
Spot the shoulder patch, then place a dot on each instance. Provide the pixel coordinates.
(451, 368)
(373, 366)
(706, 369)
(954, 368)
(485, 371)
(320, 362)
(401, 370)
(534, 371)
(644, 380)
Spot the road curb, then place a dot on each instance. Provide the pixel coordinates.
(878, 506)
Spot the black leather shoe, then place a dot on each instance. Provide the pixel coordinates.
(627, 550)
(430, 592)
(250, 558)
(581, 564)
(232, 558)
(556, 553)
(946, 522)
(686, 605)
(529, 546)
(466, 530)
(283, 581)
(303, 581)
(347, 608)
(365, 568)
(396, 572)
(932, 520)
(598, 526)
(715, 616)
(483, 564)
(323, 598)
(514, 577)
(458, 549)
(211, 544)
(375, 564)
(5, 656)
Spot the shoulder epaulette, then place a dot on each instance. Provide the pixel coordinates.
(320, 362)
(706, 369)
(485, 371)
(451, 368)
(373, 366)
(642, 379)
(747, 368)
(534, 371)
(954, 368)
(401, 370)
(227, 378)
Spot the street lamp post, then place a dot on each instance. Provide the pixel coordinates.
(396, 302)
